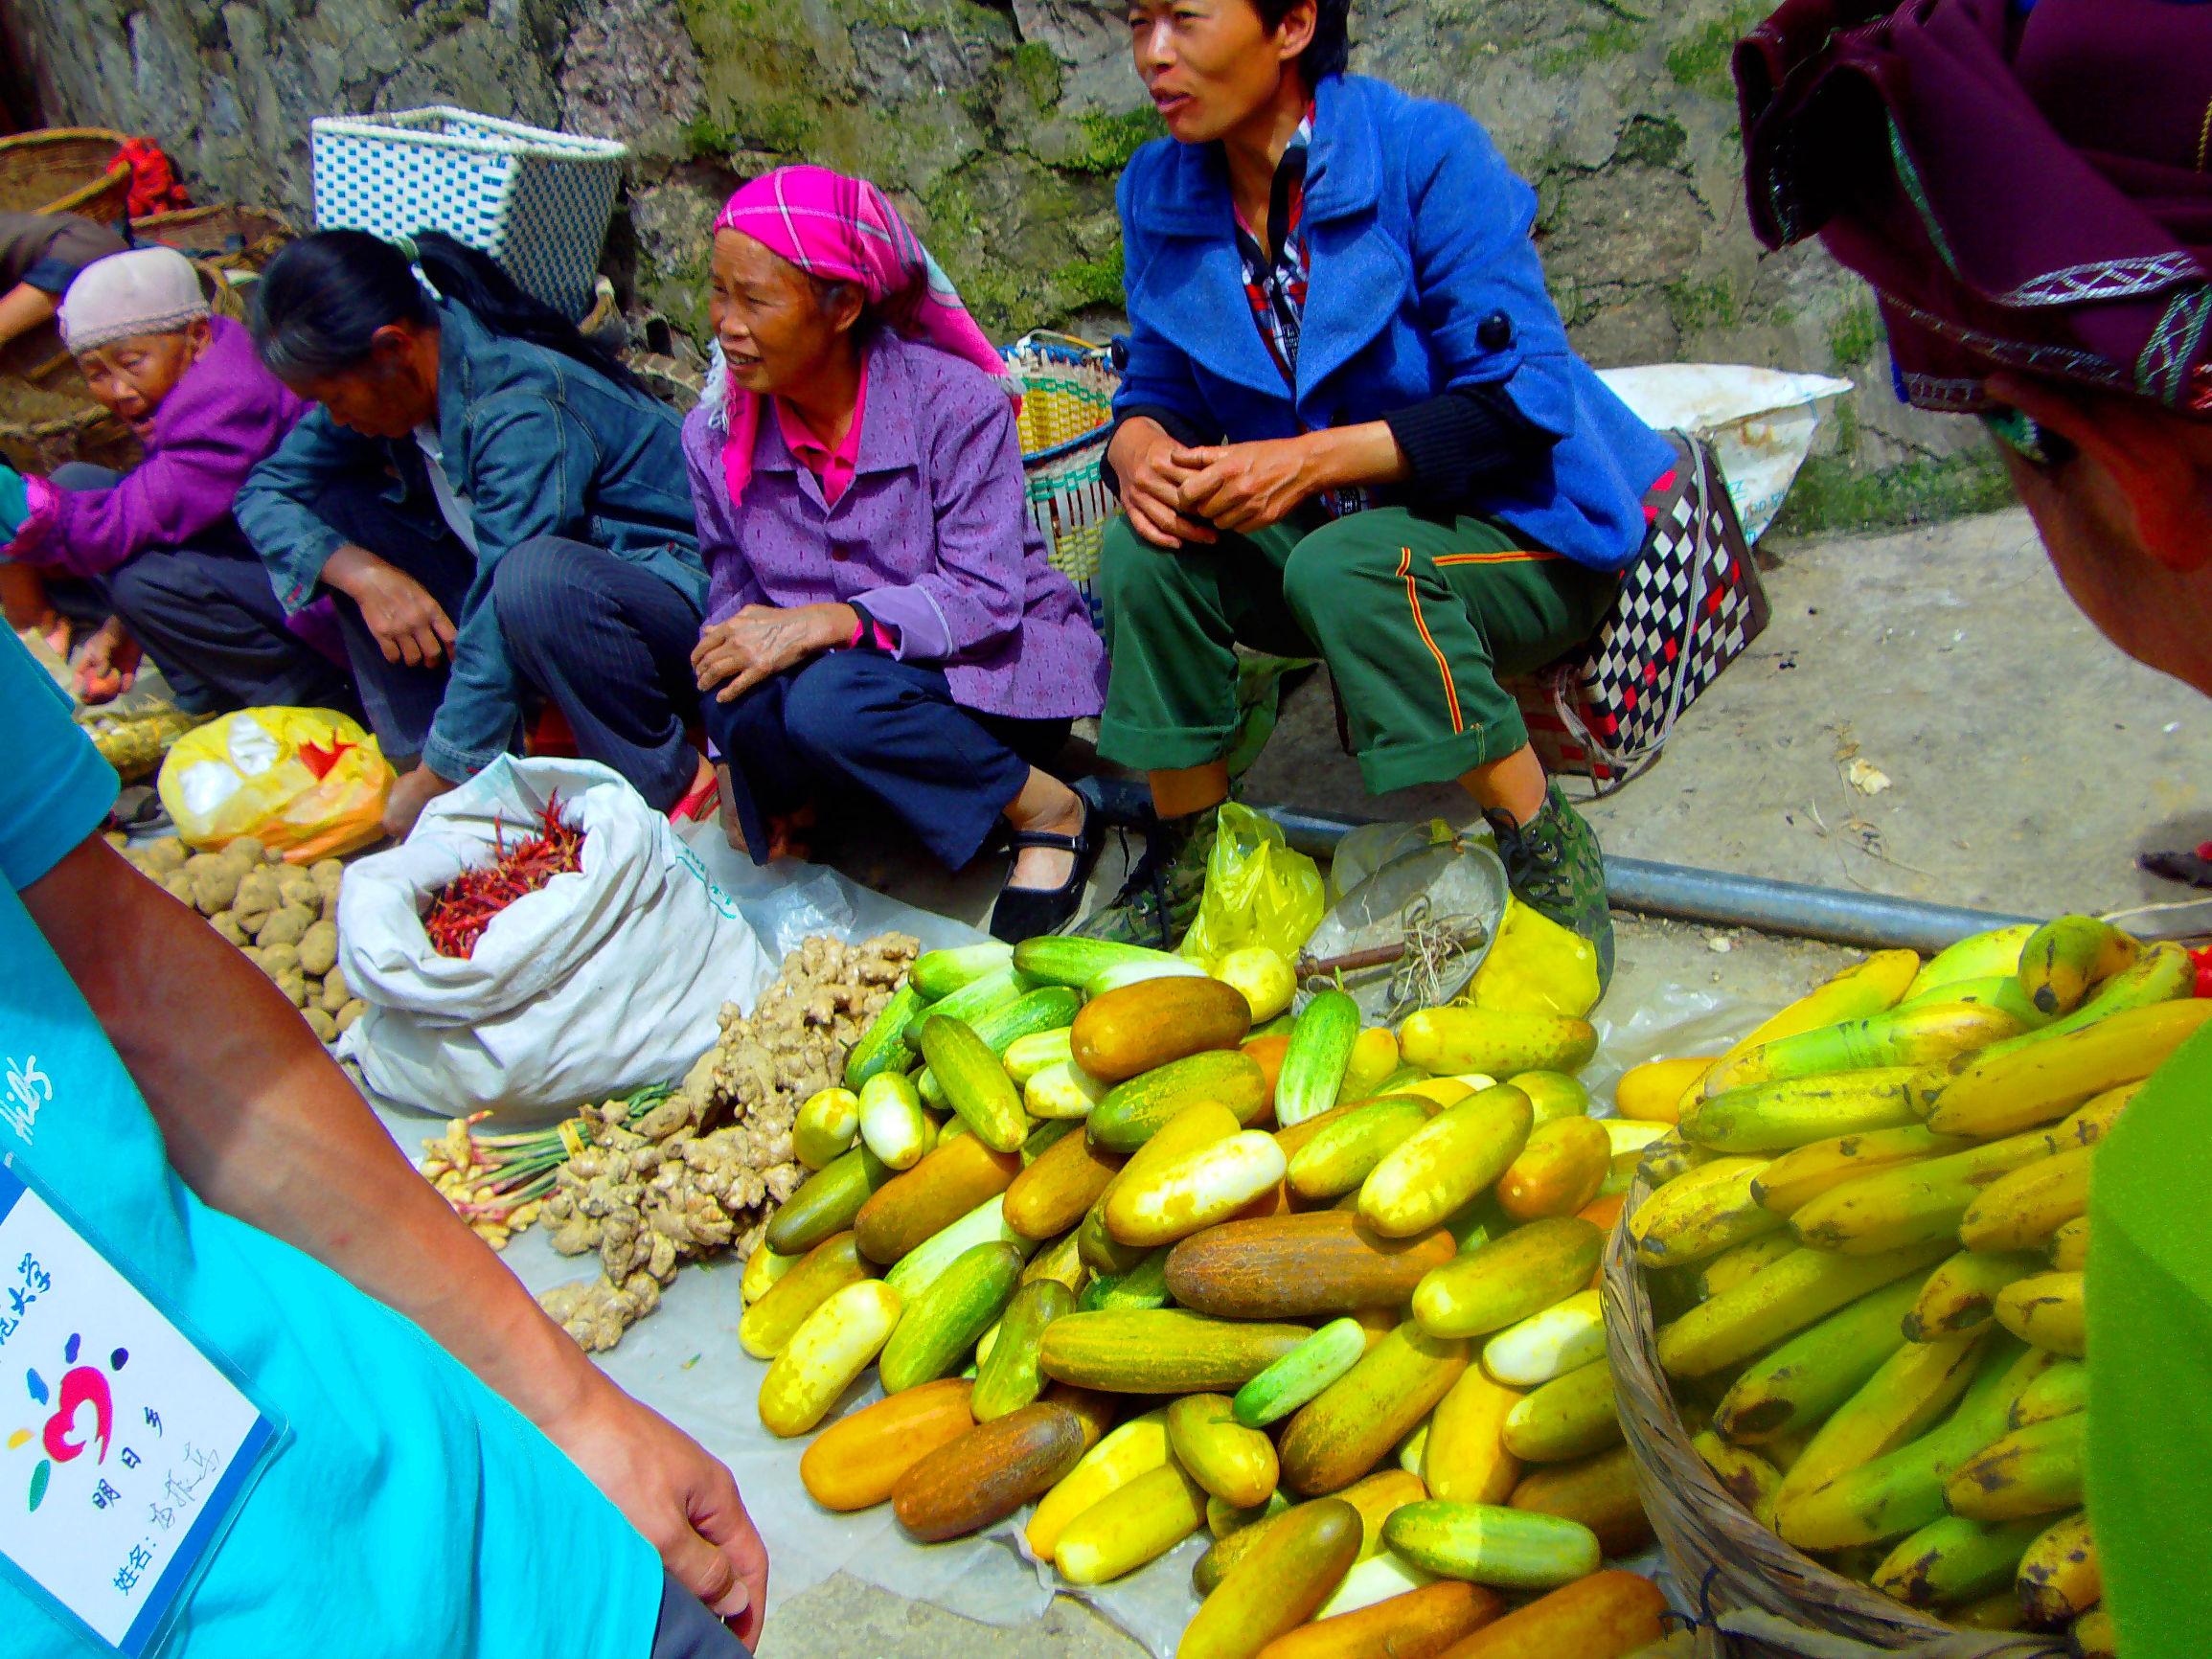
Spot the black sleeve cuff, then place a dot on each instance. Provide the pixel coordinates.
(1458, 441)
(1176, 426)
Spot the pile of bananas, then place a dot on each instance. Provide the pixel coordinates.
(1867, 1234)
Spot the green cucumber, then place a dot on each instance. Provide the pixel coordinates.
(1027, 1056)
(1045, 1137)
(976, 1087)
(1009, 1379)
(1344, 1150)
(938, 973)
(827, 1202)
(1060, 959)
(1320, 1050)
(883, 1046)
(1064, 1090)
(938, 1328)
(971, 1002)
(1144, 1286)
(1099, 1250)
(1132, 1112)
(1488, 1544)
(1046, 1009)
(1302, 1374)
(917, 1269)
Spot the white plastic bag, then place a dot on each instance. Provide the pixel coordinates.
(1760, 423)
(598, 983)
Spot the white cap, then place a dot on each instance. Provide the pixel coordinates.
(141, 292)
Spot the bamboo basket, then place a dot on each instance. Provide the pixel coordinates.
(64, 170)
(1753, 1596)
(227, 236)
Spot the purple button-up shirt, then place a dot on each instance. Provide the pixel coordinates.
(933, 536)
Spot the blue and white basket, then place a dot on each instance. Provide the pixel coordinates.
(536, 201)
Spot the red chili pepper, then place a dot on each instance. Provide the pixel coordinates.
(467, 905)
(2203, 961)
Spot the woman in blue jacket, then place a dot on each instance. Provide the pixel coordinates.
(1351, 427)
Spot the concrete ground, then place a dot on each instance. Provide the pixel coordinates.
(2027, 762)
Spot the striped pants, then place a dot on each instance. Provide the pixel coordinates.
(1417, 617)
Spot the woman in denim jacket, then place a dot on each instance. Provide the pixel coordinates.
(498, 504)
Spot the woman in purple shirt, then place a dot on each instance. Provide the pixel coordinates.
(882, 621)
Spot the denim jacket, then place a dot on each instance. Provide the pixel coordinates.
(1423, 281)
(542, 445)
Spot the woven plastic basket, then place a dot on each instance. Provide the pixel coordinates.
(1067, 414)
(536, 200)
(1755, 1596)
(64, 170)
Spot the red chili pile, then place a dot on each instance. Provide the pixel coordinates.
(465, 906)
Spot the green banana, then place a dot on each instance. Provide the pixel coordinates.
(2068, 955)
(1792, 1112)
(2060, 1392)
(1777, 1303)
(1998, 991)
(1896, 1037)
(2038, 1470)
(1910, 1203)
(1961, 1295)
(1975, 957)
(2163, 973)
(1796, 1386)
(1913, 1388)
(1954, 1559)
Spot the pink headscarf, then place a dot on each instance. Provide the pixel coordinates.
(845, 229)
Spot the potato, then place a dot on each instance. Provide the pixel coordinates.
(250, 849)
(321, 1025)
(118, 840)
(160, 857)
(287, 926)
(257, 895)
(214, 890)
(294, 984)
(300, 888)
(346, 1015)
(178, 885)
(319, 947)
(226, 924)
(280, 958)
(252, 953)
(335, 992)
(200, 861)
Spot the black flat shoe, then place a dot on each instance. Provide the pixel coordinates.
(1030, 912)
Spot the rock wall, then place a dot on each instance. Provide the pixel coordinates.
(1000, 127)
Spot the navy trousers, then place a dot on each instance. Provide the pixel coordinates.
(876, 732)
(209, 619)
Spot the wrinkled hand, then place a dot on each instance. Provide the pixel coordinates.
(108, 664)
(1144, 457)
(764, 640)
(679, 1497)
(1245, 487)
(414, 791)
(410, 626)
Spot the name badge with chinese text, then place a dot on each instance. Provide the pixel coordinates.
(127, 1448)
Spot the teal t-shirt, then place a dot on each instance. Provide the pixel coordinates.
(410, 1510)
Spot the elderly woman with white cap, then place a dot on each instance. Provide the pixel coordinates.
(157, 546)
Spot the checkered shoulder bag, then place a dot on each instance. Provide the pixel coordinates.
(1689, 605)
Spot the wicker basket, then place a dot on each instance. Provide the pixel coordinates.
(1067, 415)
(227, 236)
(65, 170)
(1755, 1596)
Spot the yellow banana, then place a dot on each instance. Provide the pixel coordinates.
(1975, 957)
(1911, 1388)
(1954, 1559)
(2022, 1210)
(1670, 1156)
(1733, 1265)
(2025, 1472)
(1800, 1383)
(2046, 1309)
(2093, 1635)
(1744, 1475)
(2003, 1094)
(1775, 1117)
(2060, 1392)
(1776, 1302)
(1797, 1177)
(1863, 990)
(2068, 955)
(2163, 973)
(1961, 1295)
(2070, 1245)
(1897, 1038)
(1700, 1214)
(2059, 1577)
(2092, 1120)
(1911, 1204)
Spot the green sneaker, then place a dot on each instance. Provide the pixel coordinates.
(1159, 899)
(1554, 866)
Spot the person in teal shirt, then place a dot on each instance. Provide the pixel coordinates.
(2024, 182)
(448, 1473)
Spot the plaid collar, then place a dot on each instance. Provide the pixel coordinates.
(1275, 277)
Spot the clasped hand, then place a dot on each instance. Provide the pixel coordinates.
(764, 640)
(1175, 493)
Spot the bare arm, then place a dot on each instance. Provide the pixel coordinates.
(22, 308)
(262, 1125)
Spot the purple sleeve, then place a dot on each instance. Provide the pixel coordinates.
(923, 634)
(980, 581)
(731, 585)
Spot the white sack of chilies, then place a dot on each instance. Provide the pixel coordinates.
(600, 981)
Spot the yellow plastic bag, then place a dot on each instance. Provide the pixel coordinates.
(1258, 891)
(1537, 966)
(307, 782)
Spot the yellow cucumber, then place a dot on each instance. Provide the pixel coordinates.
(2039, 1469)
(1509, 1279)
(1160, 1205)
(1953, 1560)
(1055, 1192)
(1233, 1546)
(1302, 1374)
(1372, 1580)
(1652, 1093)
(1350, 1426)
(1916, 1036)
(2046, 1309)
(1222, 1519)
(1777, 1302)
(1961, 1295)
(1345, 1149)
(892, 1121)
(1797, 1177)
(2070, 1245)
(1136, 1447)
(941, 1325)
(1552, 1093)
(1374, 1067)
(2059, 1392)
(1007, 1377)
(1445, 1041)
(2059, 1575)
(1776, 1117)
(764, 1267)
(2047, 1079)
(1702, 1212)
(1488, 1544)
(1572, 1416)
(883, 1047)
(1907, 1393)
(825, 1354)
(2069, 954)
(1137, 1523)
(915, 1272)
(1135, 1111)
(975, 1084)
(826, 1127)
(1060, 1262)
(1628, 1137)
(1563, 1337)
(1732, 1266)
(2022, 1210)
(1320, 1053)
(1742, 1474)
(1027, 1056)
(1560, 1169)
(1062, 1090)
(810, 1280)
(1977, 956)
(1445, 1164)
(1411, 1454)
(1796, 1386)
(1375, 1496)
(1233, 1464)
(1278, 1583)
(1464, 1454)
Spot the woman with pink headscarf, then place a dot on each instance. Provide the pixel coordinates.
(882, 625)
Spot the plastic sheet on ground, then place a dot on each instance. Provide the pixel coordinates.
(685, 1361)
